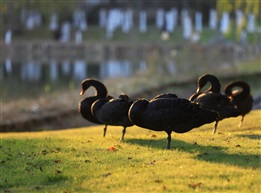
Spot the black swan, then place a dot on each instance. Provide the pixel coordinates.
(168, 113)
(215, 85)
(212, 99)
(113, 112)
(85, 105)
(241, 97)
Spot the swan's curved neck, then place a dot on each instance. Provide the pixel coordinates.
(215, 84)
(245, 88)
(100, 89)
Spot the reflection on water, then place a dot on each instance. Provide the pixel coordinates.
(8, 65)
(30, 71)
(33, 78)
(114, 68)
(80, 70)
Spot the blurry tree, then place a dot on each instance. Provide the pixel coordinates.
(224, 6)
(246, 6)
(10, 10)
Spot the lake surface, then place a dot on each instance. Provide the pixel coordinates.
(32, 77)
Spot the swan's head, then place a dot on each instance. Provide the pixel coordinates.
(99, 86)
(204, 79)
(198, 89)
(85, 85)
(83, 91)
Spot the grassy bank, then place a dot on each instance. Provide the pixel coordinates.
(81, 160)
(95, 33)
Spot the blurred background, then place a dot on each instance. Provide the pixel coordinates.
(139, 47)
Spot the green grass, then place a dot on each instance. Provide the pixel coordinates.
(95, 33)
(249, 66)
(79, 160)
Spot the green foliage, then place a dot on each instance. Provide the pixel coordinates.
(46, 7)
(246, 6)
(224, 6)
(10, 9)
(81, 160)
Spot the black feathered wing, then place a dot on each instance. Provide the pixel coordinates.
(219, 103)
(84, 108)
(113, 112)
(178, 115)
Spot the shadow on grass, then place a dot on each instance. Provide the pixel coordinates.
(215, 154)
(251, 136)
(55, 179)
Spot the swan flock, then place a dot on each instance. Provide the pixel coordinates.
(167, 112)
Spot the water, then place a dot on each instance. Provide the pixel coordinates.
(31, 78)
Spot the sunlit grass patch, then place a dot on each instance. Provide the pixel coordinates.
(81, 160)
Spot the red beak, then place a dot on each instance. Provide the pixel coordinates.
(82, 92)
(199, 88)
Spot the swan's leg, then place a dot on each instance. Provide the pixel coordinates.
(123, 133)
(104, 131)
(169, 139)
(241, 122)
(215, 127)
